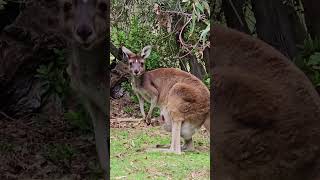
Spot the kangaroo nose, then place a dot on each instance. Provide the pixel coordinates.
(84, 32)
(136, 71)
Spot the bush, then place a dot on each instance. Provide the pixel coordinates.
(309, 60)
(53, 75)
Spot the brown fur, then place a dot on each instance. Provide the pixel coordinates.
(266, 112)
(162, 78)
(179, 93)
(182, 98)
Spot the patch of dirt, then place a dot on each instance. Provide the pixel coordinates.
(36, 147)
(119, 106)
(203, 174)
(125, 113)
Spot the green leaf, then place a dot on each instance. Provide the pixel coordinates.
(193, 23)
(207, 22)
(314, 59)
(206, 6)
(205, 33)
(199, 6)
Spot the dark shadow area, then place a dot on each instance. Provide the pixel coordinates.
(9, 13)
(45, 131)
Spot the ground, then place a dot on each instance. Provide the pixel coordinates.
(48, 146)
(130, 141)
(62, 147)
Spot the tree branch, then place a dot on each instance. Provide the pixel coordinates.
(236, 12)
(115, 51)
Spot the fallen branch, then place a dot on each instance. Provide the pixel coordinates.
(6, 116)
(126, 120)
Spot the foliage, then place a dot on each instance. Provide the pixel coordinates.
(79, 120)
(309, 60)
(53, 76)
(207, 80)
(2, 4)
(126, 16)
(136, 38)
(55, 81)
(199, 11)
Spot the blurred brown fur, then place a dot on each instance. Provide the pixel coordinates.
(266, 112)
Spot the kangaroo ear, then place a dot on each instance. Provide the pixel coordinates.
(145, 52)
(126, 53)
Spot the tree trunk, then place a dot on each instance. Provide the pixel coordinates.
(233, 11)
(115, 52)
(206, 58)
(196, 68)
(299, 29)
(312, 15)
(119, 72)
(273, 25)
(183, 65)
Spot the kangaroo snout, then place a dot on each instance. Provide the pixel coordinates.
(84, 32)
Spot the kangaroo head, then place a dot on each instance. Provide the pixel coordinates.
(84, 22)
(136, 61)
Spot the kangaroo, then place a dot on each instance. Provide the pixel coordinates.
(84, 24)
(266, 112)
(182, 98)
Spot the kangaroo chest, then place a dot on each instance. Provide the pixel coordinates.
(86, 69)
(137, 86)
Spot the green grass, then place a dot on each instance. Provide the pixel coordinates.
(128, 110)
(129, 159)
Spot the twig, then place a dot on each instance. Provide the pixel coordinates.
(121, 177)
(182, 29)
(6, 116)
(120, 14)
(184, 14)
(125, 120)
(236, 12)
(189, 52)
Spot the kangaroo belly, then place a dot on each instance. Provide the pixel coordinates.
(188, 128)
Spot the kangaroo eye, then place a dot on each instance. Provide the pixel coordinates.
(130, 63)
(67, 6)
(142, 63)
